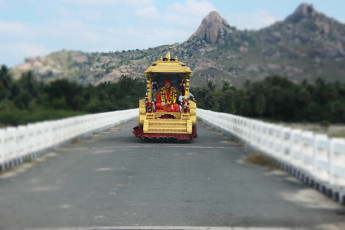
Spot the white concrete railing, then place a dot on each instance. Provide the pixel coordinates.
(316, 158)
(29, 141)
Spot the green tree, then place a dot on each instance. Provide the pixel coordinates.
(225, 102)
(211, 86)
(26, 90)
(6, 83)
(337, 111)
(260, 104)
(62, 94)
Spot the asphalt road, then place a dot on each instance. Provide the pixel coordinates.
(113, 179)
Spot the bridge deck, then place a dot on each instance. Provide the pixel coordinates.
(114, 179)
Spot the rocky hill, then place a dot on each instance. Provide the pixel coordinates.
(306, 45)
(213, 29)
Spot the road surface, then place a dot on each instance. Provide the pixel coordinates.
(113, 179)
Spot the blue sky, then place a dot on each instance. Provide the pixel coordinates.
(31, 28)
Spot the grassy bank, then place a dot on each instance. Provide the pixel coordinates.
(20, 117)
(331, 130)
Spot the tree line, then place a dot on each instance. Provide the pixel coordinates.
(278, 99)
(28, 99)
(274, 98)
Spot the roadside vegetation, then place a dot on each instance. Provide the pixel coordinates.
(278, 99)
(274, 99)
(259, 159)
(29, 100)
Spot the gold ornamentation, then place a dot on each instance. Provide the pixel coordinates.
(172, 95)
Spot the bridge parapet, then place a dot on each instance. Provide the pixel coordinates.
(316, 159)
(18, 144)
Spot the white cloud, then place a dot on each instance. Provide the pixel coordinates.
(81, 13)
(72, 31)
(31, 49)
(181, 19)
(108, 27)
(17, 30)
(192, 7)
(148, 12)
(11, 27)
(19, 40)
(254, 20)
(113, 38)
(160, 36)
(189, 14)
(13, 53)
(77, 35)
(139, 3)
(102, 3)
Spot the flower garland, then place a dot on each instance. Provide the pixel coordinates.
(172, 95)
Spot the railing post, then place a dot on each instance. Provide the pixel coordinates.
(2, 148)
(321, 170)
(337, 162)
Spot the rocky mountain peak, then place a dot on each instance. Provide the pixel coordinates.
(213, 29)
(302, 12)
(307, 45)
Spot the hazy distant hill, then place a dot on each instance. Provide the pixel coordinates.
(306, 45)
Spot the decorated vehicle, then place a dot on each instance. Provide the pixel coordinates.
(168, 111)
